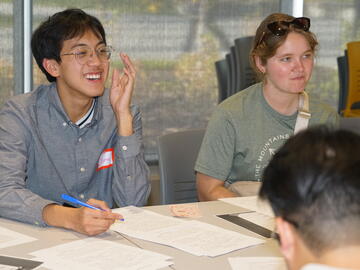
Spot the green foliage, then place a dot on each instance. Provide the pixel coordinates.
(162, 87)
(196, 73)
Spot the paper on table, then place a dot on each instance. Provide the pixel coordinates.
(94, 254)
(10, 238)
(259, 219)
(257, 263)
(252, 203)
(195, 237)
(203, 239)
(139, 222)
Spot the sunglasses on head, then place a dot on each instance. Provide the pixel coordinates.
(280, 28)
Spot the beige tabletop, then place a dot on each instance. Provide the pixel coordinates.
(49, 237)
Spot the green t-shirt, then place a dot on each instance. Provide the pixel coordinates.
(244, 132)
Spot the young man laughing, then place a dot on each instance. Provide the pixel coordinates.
(72, 136)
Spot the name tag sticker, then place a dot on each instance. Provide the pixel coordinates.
(106, 159)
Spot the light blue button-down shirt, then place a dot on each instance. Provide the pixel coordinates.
(43, 154)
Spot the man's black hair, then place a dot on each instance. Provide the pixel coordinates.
(313, 182)
(47, 40)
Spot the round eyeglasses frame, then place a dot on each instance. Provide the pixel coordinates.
(83, 54)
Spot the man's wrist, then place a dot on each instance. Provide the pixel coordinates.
(58, 216)
(125, 125)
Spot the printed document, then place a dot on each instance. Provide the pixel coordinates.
(95, 254)
(192, 236)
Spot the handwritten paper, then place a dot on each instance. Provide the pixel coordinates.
(192, 236)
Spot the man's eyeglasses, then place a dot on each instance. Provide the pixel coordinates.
(84, 53)
(280, 28)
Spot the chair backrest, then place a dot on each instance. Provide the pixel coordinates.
(350, 123)
(221, 68)
(246, 75)
(234, 71)
(177, 156)
(231, 67)
(343, 81)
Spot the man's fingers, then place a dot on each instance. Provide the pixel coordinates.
(97, 221)
(115, 77)
(99, 204)
(124, 80)
(106, 214)
(128, 64)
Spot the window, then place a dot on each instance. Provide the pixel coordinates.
(335, 23)
(174, 45)
(6, 51)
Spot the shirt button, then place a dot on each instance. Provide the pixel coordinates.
(80, 139)
(82, 196)
(82, 169)
(64, 124)
(124, 148)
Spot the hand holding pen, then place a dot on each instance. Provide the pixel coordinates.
(85, 220)
(73, 200)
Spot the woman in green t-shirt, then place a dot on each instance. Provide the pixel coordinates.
(247, 128)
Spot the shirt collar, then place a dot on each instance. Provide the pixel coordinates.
(86, 119)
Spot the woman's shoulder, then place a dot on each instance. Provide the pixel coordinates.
(242, 97)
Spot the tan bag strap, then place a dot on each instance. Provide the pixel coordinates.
(304, 115)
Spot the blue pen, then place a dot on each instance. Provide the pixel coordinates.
(76, 201)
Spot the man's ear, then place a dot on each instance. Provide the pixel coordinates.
(259, 65)
(51, 66)
(287, 239)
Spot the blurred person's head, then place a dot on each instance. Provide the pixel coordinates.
(274, 40)
(313, 186)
